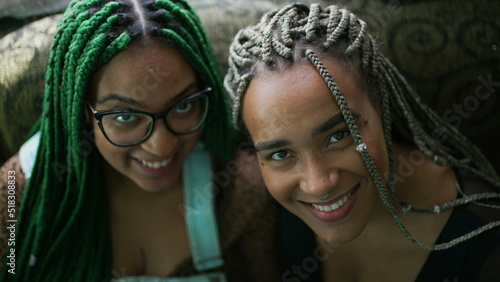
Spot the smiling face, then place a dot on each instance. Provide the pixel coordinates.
(305, 150)
(149, 79)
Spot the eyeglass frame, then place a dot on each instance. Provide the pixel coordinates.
(98, 115)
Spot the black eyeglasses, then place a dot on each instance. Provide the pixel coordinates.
(125, 128)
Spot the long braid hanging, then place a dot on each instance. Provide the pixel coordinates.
(401, 106)
(219, 135)
(62, 231)
(56, 216)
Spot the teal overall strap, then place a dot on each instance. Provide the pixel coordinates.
(200, 210)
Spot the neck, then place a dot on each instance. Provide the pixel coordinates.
(419, 182)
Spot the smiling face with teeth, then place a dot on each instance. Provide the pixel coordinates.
(145, 78)
(305, 150)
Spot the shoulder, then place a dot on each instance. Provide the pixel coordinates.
(486, 246)
(472, 185)
(242, 198)
(479, 256)
(12, 177)
(239, 183)
(248, 221)
(12, 185)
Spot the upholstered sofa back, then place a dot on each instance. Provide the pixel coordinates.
(449, 50)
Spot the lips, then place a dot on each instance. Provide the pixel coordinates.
(335, 206)
(156, 168)
(156, 164)
(335, 209)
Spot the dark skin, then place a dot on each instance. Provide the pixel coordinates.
(383, 251)
(144, 182)
(306, 154)
(149, 235)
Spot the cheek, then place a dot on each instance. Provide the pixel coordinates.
(116, 157)
(100, 140)
(379, 155)
(109, 152)
(278, 185)
(190, 138)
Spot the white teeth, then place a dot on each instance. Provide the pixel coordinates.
(334, 206)
(156, 165)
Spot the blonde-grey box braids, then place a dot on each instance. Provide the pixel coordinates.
(297, 32)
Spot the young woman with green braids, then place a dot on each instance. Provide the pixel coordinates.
(346, 145)
(129, 175)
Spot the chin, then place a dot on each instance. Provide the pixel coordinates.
(337, 233)
(337, 236)
(156, 185)
(151, 188)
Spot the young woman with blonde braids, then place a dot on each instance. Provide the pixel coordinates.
(129, 176)
(346, 145)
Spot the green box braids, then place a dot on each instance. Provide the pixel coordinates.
(62, 232)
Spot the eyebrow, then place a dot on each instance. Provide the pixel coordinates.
(118, 97)
(270, 145)
(130, 101)
(330, 123)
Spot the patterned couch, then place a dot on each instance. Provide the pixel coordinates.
(449, 50)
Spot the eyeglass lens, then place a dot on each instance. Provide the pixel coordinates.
(130, 128)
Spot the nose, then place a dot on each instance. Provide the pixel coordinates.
(161, 142)
(318, 177)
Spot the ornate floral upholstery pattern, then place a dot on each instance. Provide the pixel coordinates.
(449, 50)
(24, 52)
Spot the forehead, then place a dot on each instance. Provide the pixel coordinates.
(300, 88)
(141, 70)
(291, 104)
(139, 58)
